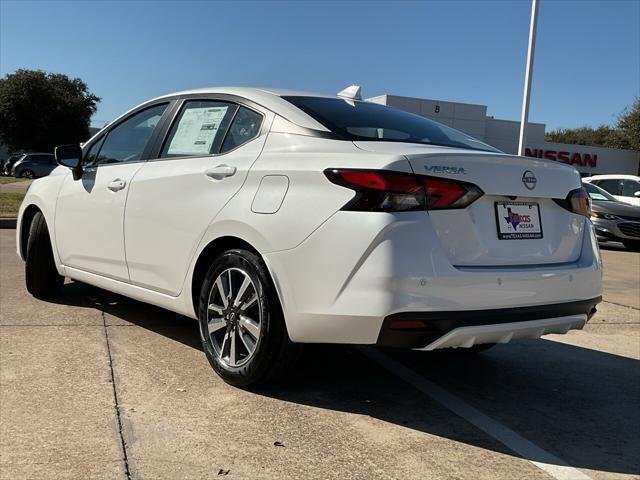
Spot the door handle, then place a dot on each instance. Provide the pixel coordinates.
(221, 171)
(117, 184)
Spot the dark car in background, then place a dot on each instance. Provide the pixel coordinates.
(7, 165)
(34, 165)
(614, 220)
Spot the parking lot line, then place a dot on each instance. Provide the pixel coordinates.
(542, 459)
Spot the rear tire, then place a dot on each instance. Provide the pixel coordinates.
(41, 275)
(248, 344)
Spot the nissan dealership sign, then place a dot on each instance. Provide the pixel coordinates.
(588, 159)
(572, 158)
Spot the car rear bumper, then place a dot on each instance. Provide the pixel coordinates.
(358, 269)
(435, 330)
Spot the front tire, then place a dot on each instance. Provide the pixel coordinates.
(242, 326)
(27, 174)
(41, 275)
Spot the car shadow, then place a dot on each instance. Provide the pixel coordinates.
(578, 404)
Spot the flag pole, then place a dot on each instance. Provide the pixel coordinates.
(527, 79)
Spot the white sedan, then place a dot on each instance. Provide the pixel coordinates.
(278, 218)
(624, 188)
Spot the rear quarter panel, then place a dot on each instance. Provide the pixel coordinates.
(310, 198)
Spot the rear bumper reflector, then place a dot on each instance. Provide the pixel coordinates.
(420, 329)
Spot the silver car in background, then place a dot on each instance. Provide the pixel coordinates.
(34, 165)
(614, 220)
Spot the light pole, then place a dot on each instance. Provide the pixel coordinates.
(527, 78)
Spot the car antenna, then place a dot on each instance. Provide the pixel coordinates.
(352, 92)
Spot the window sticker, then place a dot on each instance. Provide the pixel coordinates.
(598, 196)
(197, 130)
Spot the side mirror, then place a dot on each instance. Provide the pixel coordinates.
(70, 156)
(637, 194)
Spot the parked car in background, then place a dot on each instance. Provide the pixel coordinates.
(34, 165)
(625, 188)
(279, 217)
(7, 165)
(614, 221)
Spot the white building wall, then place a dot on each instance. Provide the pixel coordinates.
(504, 134)
(467, 117)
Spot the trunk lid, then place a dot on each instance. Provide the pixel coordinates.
(470, 236)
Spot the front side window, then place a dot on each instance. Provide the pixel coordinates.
(127, 141)
(358, 120)
(199, 130)
(245, 127)
(597, 193)
(92, 154)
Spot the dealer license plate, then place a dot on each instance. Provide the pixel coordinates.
(518, 220)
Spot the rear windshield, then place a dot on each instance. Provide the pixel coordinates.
(357, 120)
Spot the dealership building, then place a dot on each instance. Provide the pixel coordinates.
(503, 134)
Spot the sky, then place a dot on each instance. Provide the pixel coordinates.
(587, 62)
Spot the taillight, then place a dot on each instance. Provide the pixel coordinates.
(580, 202)
(445, 194)
(577, 201)
(385, 191)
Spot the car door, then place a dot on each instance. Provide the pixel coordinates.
(203, 161)
(90, 210)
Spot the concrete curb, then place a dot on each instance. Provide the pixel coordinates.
(8, 223)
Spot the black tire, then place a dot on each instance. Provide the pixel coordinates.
(41, 276)
(634, 246)
(273, 353)
(27, 174)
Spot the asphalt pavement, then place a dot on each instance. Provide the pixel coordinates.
(94, 385)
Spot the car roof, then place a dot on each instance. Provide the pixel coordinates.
(270, 98)
(610, 176)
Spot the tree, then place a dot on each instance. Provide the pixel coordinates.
(629, 126)
(625, 133)
(601, 136)
(40, 110)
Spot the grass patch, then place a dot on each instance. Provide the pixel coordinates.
(10, 203)
(4, 180)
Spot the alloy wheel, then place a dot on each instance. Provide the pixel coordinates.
(234, 317)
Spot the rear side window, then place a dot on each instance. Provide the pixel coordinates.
(127, 141)
(629, 188)
(245, 127)
(611, 185)
(40, 159)
(199, 129)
